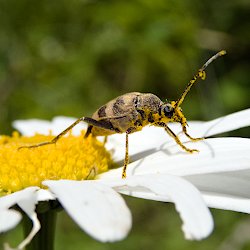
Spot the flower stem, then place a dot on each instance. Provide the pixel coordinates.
(44, 239)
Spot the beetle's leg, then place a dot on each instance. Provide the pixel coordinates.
(92, 122)
(105, 139)
(91, 174)
(55, 139)
(126, 159)
(173, 135)
(88, 132)
(184, 129)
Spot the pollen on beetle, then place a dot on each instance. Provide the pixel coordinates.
(72, 158)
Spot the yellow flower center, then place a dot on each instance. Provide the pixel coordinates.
(72, 157)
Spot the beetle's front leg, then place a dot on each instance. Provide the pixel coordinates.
(184, 129)
(177, 140)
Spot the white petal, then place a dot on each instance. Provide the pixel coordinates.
(32, 126)
(197, 220)
(45, 195)
(9, 219)
(227, 202)
(231, 184)
(26, 199)
(226, 190)
(216, 155)
(220, 125)
(96, 208)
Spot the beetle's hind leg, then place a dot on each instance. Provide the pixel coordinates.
(92, 122)
(55, 139)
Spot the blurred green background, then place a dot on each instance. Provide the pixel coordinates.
(70, 57)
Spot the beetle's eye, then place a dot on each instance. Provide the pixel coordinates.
(168, 111)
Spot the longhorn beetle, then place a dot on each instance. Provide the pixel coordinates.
(130, 112)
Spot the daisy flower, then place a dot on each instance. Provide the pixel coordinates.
(218, 176)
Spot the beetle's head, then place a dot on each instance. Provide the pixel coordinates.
(169, 112)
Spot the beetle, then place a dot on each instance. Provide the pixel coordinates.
(131, 112)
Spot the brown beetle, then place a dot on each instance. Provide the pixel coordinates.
(130, 112)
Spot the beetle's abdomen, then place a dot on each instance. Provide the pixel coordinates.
(125, 112)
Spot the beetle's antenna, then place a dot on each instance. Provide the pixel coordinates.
(200, 74)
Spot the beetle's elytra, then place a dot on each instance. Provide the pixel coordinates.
(130, 112)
